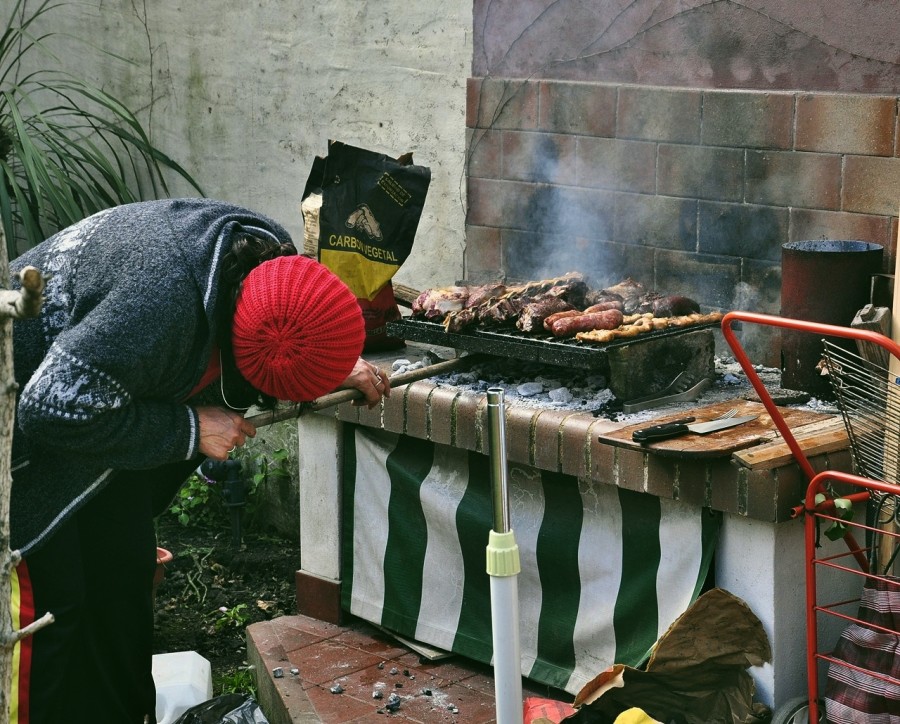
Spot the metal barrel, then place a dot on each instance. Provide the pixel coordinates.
(821, 281)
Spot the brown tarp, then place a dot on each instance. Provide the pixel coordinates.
(697, 673)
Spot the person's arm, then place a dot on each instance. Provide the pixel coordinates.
(108, 388)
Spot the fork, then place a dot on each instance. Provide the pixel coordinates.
(725, 415)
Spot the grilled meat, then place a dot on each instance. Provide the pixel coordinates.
(534, 314)
(542, 305)
(569, 326)
(439, 302)
(630, 292)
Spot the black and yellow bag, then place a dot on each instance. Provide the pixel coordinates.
(361, 210)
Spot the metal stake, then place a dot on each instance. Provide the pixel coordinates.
(503, 566)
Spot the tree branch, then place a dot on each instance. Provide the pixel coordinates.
(15, 636)
(27, 301)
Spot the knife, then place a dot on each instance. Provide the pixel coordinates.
(674, 429)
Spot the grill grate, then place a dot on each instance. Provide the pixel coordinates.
(545, 349)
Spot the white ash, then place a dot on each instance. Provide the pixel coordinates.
(549, 387)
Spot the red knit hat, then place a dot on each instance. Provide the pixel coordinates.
(297, 330)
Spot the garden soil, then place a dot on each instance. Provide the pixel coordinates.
(214, 588)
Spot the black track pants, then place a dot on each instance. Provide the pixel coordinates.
(93, 665)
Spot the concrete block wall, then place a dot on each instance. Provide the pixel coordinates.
(689, 191)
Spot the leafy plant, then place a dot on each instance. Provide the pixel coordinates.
(198, 502)
(232, 618)
(67, 148)
(843, 510)
(237, 681)
(265, 468)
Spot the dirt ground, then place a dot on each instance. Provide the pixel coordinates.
(213, 589)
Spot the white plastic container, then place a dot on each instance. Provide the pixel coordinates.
(183, 679)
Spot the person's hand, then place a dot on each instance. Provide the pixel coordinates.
(369, 379)
(221, 431)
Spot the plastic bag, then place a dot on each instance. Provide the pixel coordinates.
(225, 709)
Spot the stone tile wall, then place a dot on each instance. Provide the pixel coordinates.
(689, 191)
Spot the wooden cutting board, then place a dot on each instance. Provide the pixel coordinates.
(722, 442)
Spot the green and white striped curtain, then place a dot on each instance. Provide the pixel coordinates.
(605, 571)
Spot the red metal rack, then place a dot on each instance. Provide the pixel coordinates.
(867, 387)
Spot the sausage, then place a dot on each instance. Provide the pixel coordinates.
(548, 322)
(594, 308)
(567, 326)
(603, 306)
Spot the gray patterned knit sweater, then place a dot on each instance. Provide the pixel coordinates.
(124, 335)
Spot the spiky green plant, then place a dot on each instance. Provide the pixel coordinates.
(67, 148)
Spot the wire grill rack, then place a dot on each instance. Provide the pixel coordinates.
(868, 396)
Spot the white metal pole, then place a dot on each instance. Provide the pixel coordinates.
(503, 567)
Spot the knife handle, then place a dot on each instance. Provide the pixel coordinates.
(660, 432)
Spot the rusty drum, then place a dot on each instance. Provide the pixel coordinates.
(821, 281)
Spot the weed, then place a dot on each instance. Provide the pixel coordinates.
(198, 502)
(201, 501)
(237, 681)
(235, 617)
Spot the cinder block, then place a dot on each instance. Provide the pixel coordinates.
(466, 419)
(483, 254)
(417, 403)
(659, 114)
(495, 202)
(574, 449)
(701, 172)
(601, 455)
(661, 476)
(760, 494)
(656, 221)
(393, 414)
(501, 104)
(747, 120)
(692, 482)
(548, 432)
(540, 157)
(742, 230)
(584, 109)
(484, 152)
(782, 178)
(870, 184)
(813, 224)
(630, 469)
(611, 163)
(723, 486)
(852, 124)
(520, 421)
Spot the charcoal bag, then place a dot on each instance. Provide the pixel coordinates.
(361, 210)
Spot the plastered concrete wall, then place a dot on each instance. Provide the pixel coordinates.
(848, 46)
(244, 95)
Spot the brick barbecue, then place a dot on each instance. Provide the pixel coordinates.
(762, 484)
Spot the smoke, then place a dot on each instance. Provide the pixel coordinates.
(566, 221)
